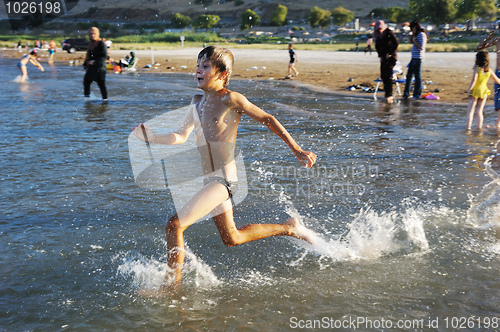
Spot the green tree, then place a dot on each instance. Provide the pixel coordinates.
(318, 17)
(436, 11)
(180, 21)
(488, 10)
(390, 14)
(279, 16)
(206, 21)
(472, 9)
(342, 16)
(249, 19)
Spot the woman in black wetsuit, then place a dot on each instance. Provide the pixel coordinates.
(95, 63)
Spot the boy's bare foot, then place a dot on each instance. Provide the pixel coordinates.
(300, 232)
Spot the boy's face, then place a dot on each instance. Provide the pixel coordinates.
(208, 76)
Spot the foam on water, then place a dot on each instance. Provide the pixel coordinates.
(147, 273)
(370, 235)
(484, 210)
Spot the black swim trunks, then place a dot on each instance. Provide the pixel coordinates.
(232, 187)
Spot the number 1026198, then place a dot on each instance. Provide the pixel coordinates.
(33, 7)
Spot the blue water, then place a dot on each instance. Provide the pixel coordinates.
(403, 201)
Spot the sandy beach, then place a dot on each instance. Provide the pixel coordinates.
(447, 75)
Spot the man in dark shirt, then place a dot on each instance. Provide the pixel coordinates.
(386, 45)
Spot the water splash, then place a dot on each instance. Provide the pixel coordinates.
(370, 235)
(484, 210)
(149, 273)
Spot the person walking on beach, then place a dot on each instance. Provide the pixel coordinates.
(419, 40)
(494, 40)
(478, 91)
(369, 42)
(95, 63)
(52, 50)
(386, 45)
(214, 116)
(291, 65)
(28, 58)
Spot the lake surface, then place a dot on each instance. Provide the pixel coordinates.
(404, 203)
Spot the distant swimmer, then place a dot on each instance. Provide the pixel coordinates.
(31, 58)
(214, 117)
(52, 50)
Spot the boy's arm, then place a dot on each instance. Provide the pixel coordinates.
(488, 41)
(242, 104)
(177, 137)
(495, 77)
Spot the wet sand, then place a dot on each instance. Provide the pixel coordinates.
(447, 75)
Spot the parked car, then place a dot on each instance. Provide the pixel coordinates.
(75, 44)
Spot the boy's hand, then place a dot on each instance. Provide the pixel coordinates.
(142, 132)
(306, 158)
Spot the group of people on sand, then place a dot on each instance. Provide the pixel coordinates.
(386, 44)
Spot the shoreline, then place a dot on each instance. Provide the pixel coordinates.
(447, 75)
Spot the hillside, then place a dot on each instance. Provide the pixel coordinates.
(158, 10)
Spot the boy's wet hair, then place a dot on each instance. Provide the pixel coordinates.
(482, 60)
(221, 58)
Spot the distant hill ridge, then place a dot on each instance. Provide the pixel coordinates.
(159, 10)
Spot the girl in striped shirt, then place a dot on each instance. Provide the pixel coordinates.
(419, 39)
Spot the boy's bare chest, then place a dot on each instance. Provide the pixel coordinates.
(215, 113)
(217, 121)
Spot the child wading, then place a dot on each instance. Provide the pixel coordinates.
(478, 91)
(28, 58)
(214, 117)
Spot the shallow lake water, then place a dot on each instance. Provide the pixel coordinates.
(403, 201)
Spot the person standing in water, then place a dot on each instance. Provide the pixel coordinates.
(31, 58)
(95, 63)
(478, 90)
(52, 50)
(293, 59)
(493, 39)
(214, 117)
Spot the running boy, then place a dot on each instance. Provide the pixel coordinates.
(214, 117)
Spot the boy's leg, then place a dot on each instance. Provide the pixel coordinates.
(232, 236)
(201, 204)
